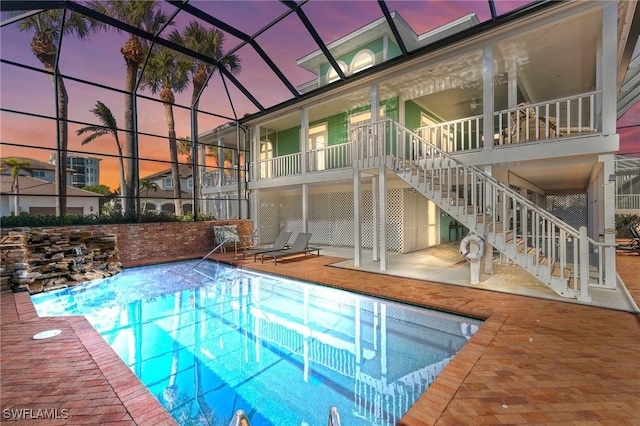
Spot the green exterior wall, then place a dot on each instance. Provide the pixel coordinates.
(376, 46)
(288, 141)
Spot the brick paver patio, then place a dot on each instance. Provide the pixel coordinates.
(533, 361)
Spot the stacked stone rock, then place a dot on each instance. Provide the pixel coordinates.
(39, 260)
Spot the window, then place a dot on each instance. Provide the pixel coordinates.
(365, 116)
(363, 60)
(318, 140)
(167, 183)
(332, 75)
(39, 174)
(190, 183)
(266, 153)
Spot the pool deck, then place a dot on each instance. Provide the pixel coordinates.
(533, 361)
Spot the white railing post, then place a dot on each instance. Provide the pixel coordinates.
(583, 295)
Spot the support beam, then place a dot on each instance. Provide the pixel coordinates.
(304, 140)
(487, 97)
(609, 76)
(608, 212)
(376, 219)
(383, 218)
(357, 219)
(305, 207)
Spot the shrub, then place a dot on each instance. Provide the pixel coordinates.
(623, 222)
(24, 220)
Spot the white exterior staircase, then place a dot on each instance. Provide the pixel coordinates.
(560, 256)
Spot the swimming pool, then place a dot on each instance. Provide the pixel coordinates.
(211, 340)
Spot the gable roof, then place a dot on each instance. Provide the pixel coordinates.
(34, 186)
(33, 163)
(184, 170)
(380, 28)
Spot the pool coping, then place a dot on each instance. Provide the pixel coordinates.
(142, 407)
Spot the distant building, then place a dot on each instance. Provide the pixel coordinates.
(86, 170)
(37, 192)
(162, 199)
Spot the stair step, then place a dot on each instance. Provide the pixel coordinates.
(482, 217)
(495, 227)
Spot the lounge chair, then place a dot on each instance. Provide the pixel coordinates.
(299, 246)
(226, 236)
(279, 244)
(633, 246)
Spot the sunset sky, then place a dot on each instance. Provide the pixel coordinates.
(98, 60)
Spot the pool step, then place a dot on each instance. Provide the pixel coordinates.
(240, 418)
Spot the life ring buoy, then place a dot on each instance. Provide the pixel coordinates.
(466, 249)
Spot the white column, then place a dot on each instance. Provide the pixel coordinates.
(608, 215)
(376, 219)
(383, 218)
(255, 142)
(512, 83)
(609, 73)
(305, 207)
(488, 202)
(221, 170)
(304, 139)
(487, 97)
(375, 103)
(357, 220)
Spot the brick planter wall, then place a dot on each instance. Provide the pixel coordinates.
(145, 241)
(140, 243)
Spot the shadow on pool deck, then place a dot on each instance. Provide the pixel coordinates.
(532, 361)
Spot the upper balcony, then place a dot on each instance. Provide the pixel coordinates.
(525, 123)
(557, 120)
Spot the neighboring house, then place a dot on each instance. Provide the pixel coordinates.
(162, 198)
(37, 195)
(507, 128)
(86, 170)
(627, 181)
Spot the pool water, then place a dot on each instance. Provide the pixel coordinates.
(211, 340)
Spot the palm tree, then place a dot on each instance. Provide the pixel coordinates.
(109, 127)
(146, 16)
(147, 185)
(184, 148)
(209, 42)
(16, 166)
(167, 72)
(46, 27)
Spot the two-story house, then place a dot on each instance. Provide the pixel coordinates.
(506, 127)
(156, 190)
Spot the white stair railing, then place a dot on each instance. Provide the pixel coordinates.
(456, 135)
(562, 257)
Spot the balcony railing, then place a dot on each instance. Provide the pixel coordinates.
(284, 165)
(628, 202)
(330, 158)
(564, 117)
(457, 135)
(326, 158)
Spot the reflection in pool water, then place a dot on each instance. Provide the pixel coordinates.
(215, 339)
